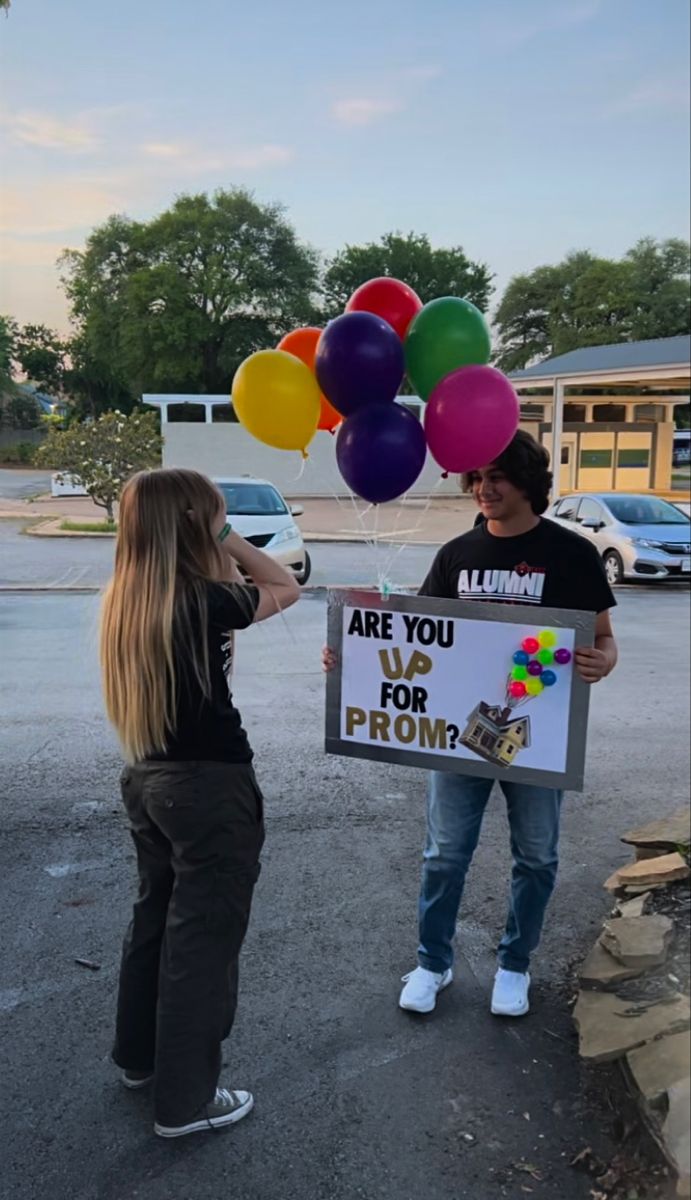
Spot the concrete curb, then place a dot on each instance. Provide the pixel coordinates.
(50, 527)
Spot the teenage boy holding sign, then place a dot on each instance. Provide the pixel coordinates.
(512, 541)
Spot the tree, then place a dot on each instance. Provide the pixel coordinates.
(41, 354)
(101, 455)
(587, 301)
(175, 304)
(432, 273)
(8, 336)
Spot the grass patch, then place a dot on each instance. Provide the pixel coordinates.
(89, 526)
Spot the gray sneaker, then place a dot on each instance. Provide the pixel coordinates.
(225, 1109)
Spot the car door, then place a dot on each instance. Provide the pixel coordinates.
(564, 511)
(590, 509)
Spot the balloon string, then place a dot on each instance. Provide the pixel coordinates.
(303, 463)
(394, 555)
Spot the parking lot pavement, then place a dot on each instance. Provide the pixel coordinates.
(355, 1099)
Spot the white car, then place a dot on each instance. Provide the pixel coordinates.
(638, 536)
(257, 511)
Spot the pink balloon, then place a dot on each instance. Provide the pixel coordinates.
(471, 416)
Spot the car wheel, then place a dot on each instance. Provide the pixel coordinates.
(305, 573)
(614, 568)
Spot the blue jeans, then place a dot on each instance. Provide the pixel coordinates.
(455, 809)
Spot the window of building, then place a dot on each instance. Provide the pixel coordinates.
(612, 413)
(574, 414)
(596, 458)
(186, 412)
(533, 412)
(650, 412)
(223, 414)
(634, 458)
(565, 456)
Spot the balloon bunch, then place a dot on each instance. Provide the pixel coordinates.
(349, 375)
(533, 668)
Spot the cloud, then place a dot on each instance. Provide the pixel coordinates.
(182, 158)
(667, 94)
(553, 20)
(163, 149)
(61, 206)
(49, 133)
(364, 110)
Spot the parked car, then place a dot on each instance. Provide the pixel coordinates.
(257, 510)
(639, 537)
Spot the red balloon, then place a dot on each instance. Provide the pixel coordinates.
(517, 689)
(303, 344)
(530, 645)
(388, 298)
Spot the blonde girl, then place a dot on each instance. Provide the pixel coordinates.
(194, 805)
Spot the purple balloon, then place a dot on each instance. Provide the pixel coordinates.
(534, 667)
(380, 451)
(562, 656)
(359, 362)
(470, 418)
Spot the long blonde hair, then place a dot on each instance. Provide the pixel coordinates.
(165, 554)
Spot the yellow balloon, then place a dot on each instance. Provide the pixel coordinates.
(276, 398)
(547, 639)
(534, 687)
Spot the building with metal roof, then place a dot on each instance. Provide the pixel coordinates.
(606, 413)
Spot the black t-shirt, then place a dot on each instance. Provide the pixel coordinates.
(548, 566)
(210, 728)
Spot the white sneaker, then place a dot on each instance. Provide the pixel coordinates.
(421, 988)
(510, 994)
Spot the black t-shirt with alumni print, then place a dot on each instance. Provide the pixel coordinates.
(209, 729)
(548, 566)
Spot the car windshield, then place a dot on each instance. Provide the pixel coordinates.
(645, 510)
(252, 500)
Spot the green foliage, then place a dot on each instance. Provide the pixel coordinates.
(175, 304)
(21, 453)
(431, 273)
(41, 353)
(8, 335)
(589, 301)
(89, 526)
(102, 454)
(19, 410)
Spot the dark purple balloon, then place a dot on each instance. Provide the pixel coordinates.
(562, 656)
(380, 451)
(359, 362)
(534, 667)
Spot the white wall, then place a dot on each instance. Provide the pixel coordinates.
(227, 449)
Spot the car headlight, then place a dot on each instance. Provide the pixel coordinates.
(285, 535)
(645, 543)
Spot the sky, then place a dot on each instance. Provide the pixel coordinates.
(518, 129)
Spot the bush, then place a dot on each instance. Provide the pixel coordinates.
(21, 453)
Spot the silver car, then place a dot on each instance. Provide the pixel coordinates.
(639, 537)
(257, 511)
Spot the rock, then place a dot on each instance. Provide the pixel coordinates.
(609, 1026)
(633, 908)
(661, 1064)
(646, 889)
(666, 834)
(601, 967)
(666, 868)
(675, 1132)
(640, 942)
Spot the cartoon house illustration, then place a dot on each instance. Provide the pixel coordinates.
(494, 734)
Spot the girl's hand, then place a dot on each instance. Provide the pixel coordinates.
(329, 659)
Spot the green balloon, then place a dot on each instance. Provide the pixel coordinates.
(519, 674)
(546, 657)
(446, 334)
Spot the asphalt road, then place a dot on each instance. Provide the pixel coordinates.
(21, 484)
(87, 562)
(355, 1100)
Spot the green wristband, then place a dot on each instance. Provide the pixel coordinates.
(224, 532)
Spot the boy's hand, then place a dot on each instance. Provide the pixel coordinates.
(329, 659)
(592, 664)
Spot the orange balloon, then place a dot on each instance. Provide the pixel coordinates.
(303, 344)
